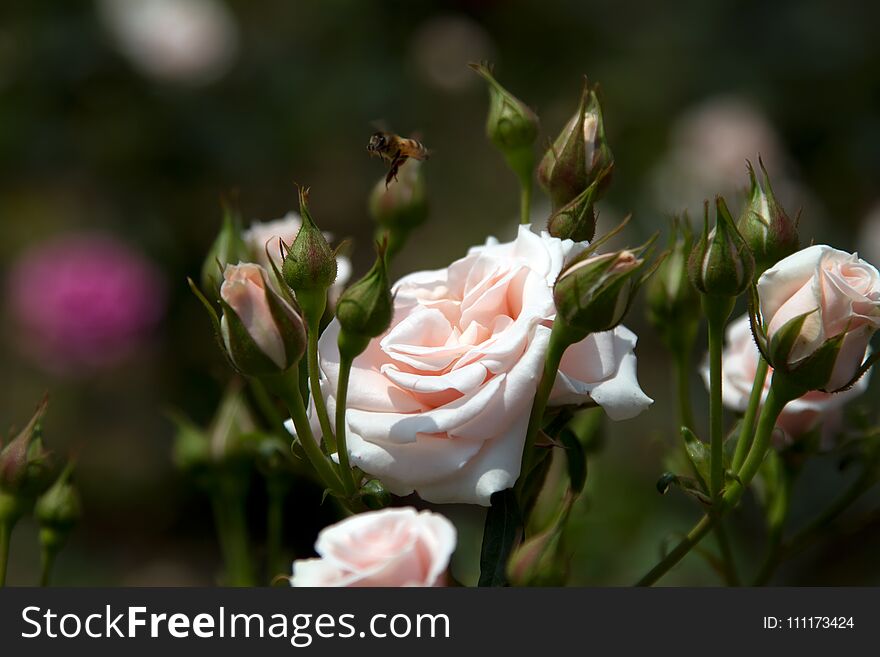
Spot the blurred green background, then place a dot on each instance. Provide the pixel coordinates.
(135, 125)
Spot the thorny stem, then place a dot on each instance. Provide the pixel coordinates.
(777, 398)
(560, 339)
(717, 310)
(286, 388)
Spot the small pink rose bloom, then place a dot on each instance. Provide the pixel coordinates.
(244, 289)
(392, 547)
(83, 302)
(440, 403)
(842, 293)
(740, 362)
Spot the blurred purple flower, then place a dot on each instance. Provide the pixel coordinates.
(83, 302)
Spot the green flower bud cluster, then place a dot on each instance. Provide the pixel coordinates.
(580, 156)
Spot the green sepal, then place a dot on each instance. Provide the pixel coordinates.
(246, 356)
(784, 340)
(290, 327)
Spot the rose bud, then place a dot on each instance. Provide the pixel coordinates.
(536, 562)
(226, 440)
(309, 267)
(228, 248)
(402, 207)
(671, 297)
(25, 470)
(364, 310)
(579, 156)
(576, 220)
(389, 548)
(57, 511)
(594, 292)
(261, 332)
(819, 308)
(721, 263)
(511, 126)
(765, 226)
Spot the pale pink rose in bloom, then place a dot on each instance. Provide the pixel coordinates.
(439, 404)
(739, 364)
(263, 236)
(244, 289)
(840, 290)
(83, 302)
(392, 547)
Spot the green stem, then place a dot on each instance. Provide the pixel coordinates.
(682, 381)
(560, 339)
(5, 536)
(777, 398)
(287, 389)
(315, 382)
(731, 577)
(341, 401)
(693, 537)
(47, 562)
(748, 423)
(525, 199)
(717, 310)
(686, 419)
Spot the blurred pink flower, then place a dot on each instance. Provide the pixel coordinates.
(83, 302)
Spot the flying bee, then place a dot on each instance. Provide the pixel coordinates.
(396, 150)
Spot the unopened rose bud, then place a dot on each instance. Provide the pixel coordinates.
(57, 511)
(536, 561)
(402, 207)
(579, 155)
(576, 220)
(309, 267)
(261, 331)
(228, 248)
(364, 310)
(511, 126)
(820, 307)
(227, 440)
(25, 469)
(721, 263)
(765, 226)
(594, 292)
(671, 297)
